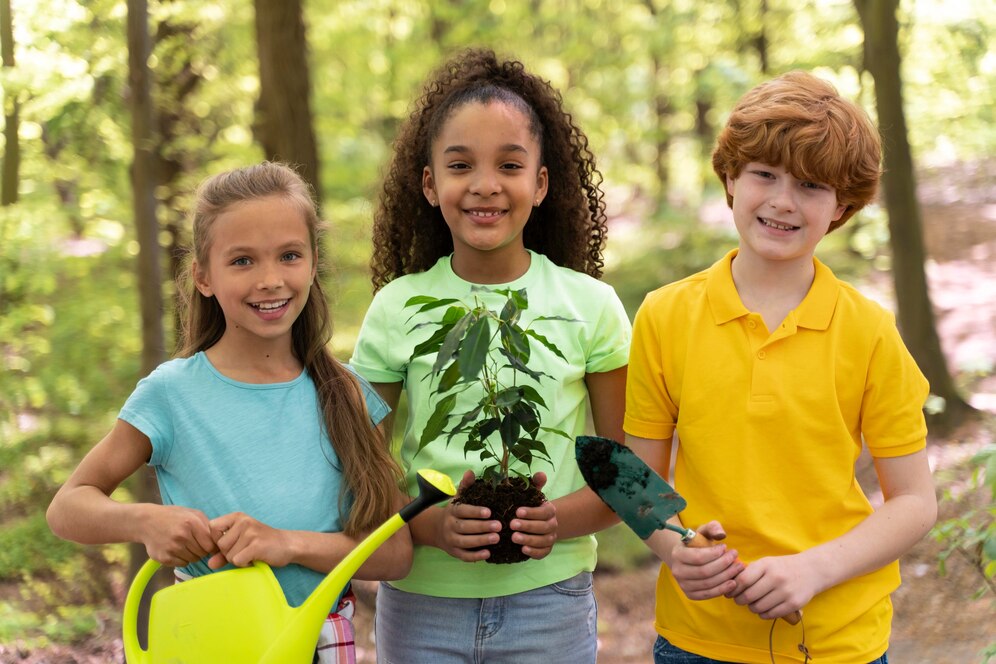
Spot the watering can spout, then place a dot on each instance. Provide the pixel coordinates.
(304, 627)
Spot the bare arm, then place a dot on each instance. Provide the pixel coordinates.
(778, 585)
(83, 510)
(583, 512)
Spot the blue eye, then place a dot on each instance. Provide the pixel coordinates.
(242, 260)
(290, 255)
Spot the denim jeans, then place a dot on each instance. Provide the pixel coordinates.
(553, 624)
(665, 653)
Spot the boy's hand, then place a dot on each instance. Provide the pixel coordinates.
(467, 527)
(777, 586)
(176, 536)
(536, 527)
(242, 539)
(706, 572)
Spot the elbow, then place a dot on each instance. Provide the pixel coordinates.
(53, 516)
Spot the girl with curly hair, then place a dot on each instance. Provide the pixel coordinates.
(492, 187)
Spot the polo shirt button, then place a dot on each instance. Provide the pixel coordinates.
(761, 354)
(751, 324)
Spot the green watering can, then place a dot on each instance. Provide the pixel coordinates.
(241, 615)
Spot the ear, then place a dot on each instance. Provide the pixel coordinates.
(429, 187)
(542, 185)
(729, 184)
(841, 209)
(200, 279)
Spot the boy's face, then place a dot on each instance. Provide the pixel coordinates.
(779, 217)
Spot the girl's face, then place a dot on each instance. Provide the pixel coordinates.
(260, 268)
(485, 176)
(779, 217)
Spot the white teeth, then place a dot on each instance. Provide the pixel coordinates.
(478, 213)
(776, 225)
(266, 306)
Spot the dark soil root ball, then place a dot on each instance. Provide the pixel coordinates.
(503, 499)
(596, 465)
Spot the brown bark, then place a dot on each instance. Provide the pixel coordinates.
(146, 225)
(10, 177)
(284, 124)
(915, 311)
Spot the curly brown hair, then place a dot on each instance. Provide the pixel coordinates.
(800, 122)
(569, 226)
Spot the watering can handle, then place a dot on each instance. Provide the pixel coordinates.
(129, 620)
(698, 540)
(433, 487)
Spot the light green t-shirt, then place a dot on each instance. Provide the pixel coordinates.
(597, 342)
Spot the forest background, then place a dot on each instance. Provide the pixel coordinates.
(114, 111)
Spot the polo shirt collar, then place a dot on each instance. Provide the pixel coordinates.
(814, 312)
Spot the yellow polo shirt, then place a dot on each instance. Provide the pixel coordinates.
(769, 426)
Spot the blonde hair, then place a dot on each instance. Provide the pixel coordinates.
(371, 474)
(800, 122)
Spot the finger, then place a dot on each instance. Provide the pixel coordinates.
(533, 526)
(467, 479)
(713, 530)
(543, 512)
(537, 553)
(217, 561)
(539, 480)
(474, 512)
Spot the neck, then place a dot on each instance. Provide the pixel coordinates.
(269, 361)
(492, 267)
(772, 288)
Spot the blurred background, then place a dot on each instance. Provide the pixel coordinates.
(114, 111)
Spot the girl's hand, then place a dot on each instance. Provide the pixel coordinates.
(467, 527)
(536, 527)
(176, 536)
(242, 539)
(707, 572)
(776, 586)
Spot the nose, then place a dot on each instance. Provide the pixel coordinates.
(270, 277)
(783, 195)
(485, 182)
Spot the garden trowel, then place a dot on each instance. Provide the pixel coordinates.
(634, 491)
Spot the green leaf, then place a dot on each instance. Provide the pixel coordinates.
(515, 341)
(557, 432)
(434, 304)
(474, 350)
(531, 395)
(509, 430)
(437, 421)
(420, 299)
(485, 428)
(450, 377)
(451, 344)
(510, 312)
(508, 397)
(560, 318)
(527, 417)
(546, 342)
(432, 344)
(517, 364)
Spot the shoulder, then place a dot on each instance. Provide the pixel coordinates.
(856, 305)
(550, 274)
(678, 293)
(177, 369)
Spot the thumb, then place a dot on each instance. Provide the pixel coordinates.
(467, 479)
(539, 480)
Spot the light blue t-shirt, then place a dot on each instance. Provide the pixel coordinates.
(221, 446)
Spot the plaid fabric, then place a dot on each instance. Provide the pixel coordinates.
(336, 643)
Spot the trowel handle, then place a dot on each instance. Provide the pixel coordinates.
(699, 541)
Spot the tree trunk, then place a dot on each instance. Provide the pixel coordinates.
(283, 123)
(10, 178)
(915, 311)
(146, 229)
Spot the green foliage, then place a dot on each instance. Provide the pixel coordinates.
(972, 533)
(474, 345)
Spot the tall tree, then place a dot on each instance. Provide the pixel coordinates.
(146, 225)
(11, 112)
(915, 312)
(284, 124)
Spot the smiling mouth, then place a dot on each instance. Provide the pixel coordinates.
(486, 215)
(776, 225)
(268, 306)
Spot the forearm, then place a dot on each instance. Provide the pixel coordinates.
(582, 513)
(877, 541)
(86, 515)
(323, 551)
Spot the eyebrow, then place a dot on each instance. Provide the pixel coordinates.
(293, 244)
(508, 147)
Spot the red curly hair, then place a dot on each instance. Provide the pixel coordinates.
(800, 122)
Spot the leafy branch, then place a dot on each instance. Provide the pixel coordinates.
(474, 345)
